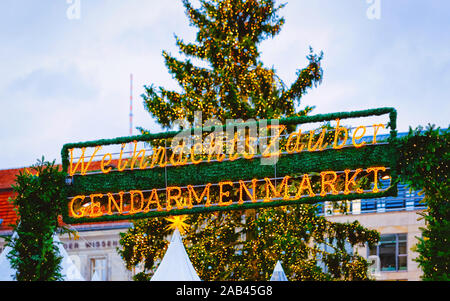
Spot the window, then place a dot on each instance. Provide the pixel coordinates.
(392, 251)
(356, 206)
(98, 269)
(368, 205)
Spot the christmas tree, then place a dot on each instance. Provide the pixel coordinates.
(235, 84)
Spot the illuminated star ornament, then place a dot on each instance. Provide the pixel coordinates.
(178, 222)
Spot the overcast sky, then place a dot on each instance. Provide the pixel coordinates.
(64, 77)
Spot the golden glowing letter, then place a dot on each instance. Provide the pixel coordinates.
(161, 153)
(277, 193)
(358, 137)
(178, 150)
(73, 170)
(103, 164)
(176, 198)
(290, 150)
(119, 166)
(153, 195)
(141, 153)
(198, 199)
(267, 152)
(329, 183)
(350, 181)
(215, 148)
(194, 152)
(337, 132)
(251, 149)
(96, 209)
(141, 198)
(233, 149)
(319, 144)
(375, 176)
(376, 127)
(112, 201)
(305, 184)
(243, 187)
(71, 205)
(222, 194)
(298, 147)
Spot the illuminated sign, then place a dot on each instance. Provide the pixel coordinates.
(242, 165)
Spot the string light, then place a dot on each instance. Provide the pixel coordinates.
(184, 198)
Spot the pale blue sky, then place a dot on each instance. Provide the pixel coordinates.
(65, 80)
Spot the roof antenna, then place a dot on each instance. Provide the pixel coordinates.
(131, 109)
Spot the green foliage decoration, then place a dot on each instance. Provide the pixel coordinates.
(38, 200)
(424, 165)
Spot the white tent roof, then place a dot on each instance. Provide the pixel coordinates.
(6, 271)
(278, 273)
(96, 276)
(69, 270)
(175, 266)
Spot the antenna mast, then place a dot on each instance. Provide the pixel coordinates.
(131, 109)
(131, 104)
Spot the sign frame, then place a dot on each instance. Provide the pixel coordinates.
(385, 152)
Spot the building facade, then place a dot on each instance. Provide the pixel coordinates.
(398, 221)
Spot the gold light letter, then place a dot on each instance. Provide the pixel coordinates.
(358, 137)
(337, 132)
(112, 201)
(375, 176)
(329, 183)
(227, 194)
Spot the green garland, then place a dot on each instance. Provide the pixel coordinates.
(391, 191)
(284, 121)
(424, 160)
(241, 169)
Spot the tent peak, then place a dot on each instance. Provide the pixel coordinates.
(176, 236)
(175, 265)
(278, 273)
